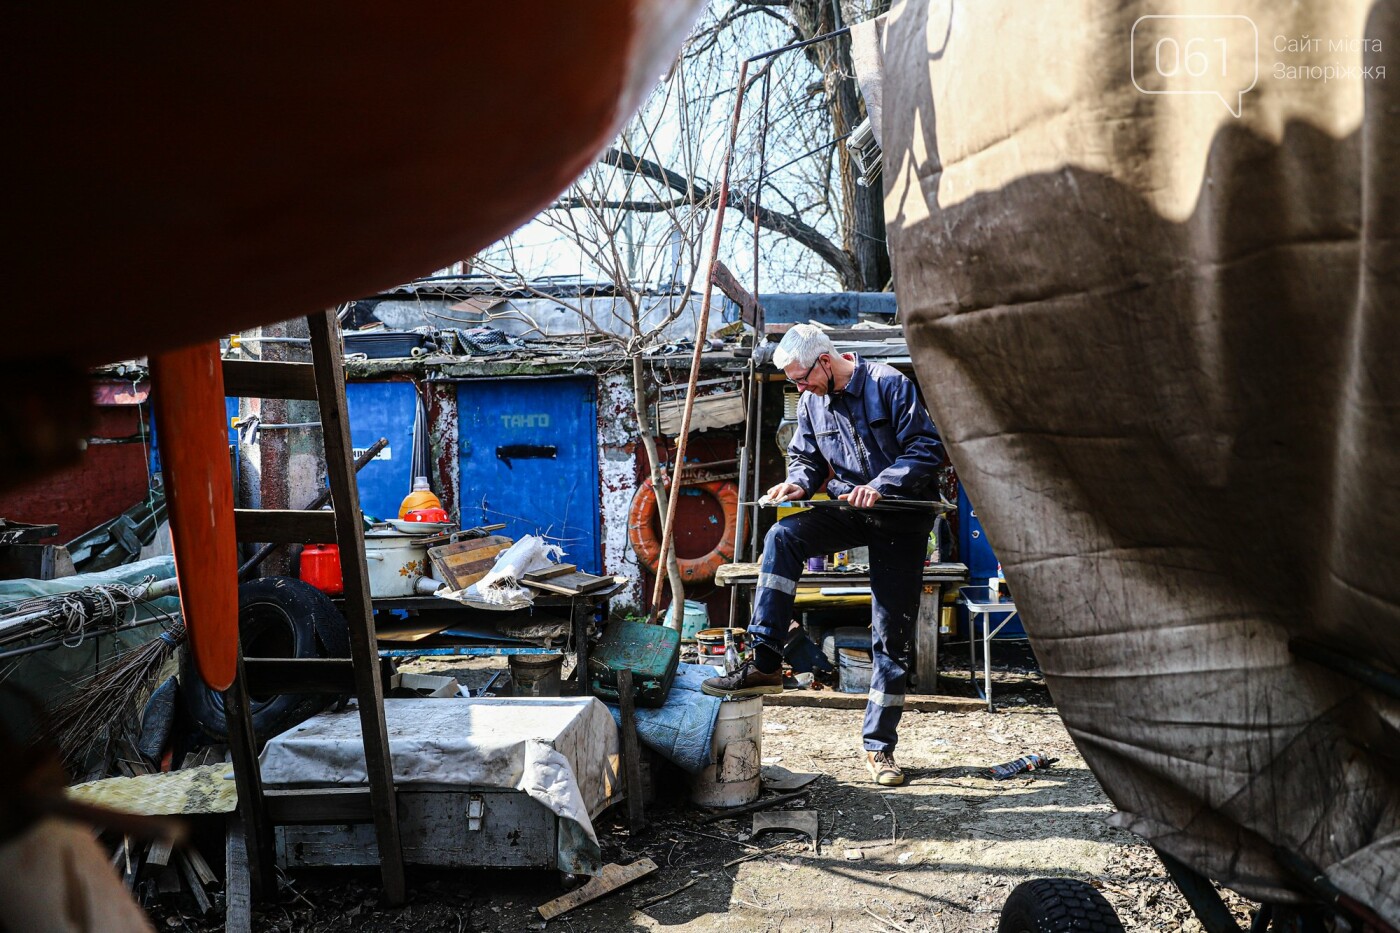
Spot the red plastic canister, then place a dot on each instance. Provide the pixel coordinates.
(320, 566)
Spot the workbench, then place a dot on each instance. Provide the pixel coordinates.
(579, 610)
(923, 640)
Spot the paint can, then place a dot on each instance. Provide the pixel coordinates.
(710, 643)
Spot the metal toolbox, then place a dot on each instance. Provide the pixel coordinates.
(650, 652)
(447, 826)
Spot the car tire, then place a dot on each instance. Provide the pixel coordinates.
(278, 617)
(1057, 905)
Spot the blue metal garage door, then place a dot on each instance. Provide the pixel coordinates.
(383, 409)
(529, 458)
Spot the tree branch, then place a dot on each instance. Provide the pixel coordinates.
(785, 224)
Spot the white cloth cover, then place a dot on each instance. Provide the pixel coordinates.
(562, 752)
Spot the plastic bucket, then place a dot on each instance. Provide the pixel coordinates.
(696, 617)
(847, 636)
(733, 780)
(710, 641)
(855, 668)
(536, 675)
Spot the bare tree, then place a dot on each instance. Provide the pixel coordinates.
(634, 249)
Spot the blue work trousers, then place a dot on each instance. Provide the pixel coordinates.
(898, 543)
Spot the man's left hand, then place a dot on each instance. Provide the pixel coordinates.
(862, 497)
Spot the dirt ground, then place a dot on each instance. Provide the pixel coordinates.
(939, 854)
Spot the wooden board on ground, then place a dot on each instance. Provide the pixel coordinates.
(411, 630)
(611, 878)
(574, 583)
(462, 563)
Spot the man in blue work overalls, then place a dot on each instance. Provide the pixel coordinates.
(861, 424)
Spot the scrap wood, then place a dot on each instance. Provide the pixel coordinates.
(751, 807)
(558, 570)
(609, 880)
(733, 842)
(411, 630)
(197, 862)
(195, 882)
(671, 893)
(886, 921)
(462, 563)
(753, 855)
(159, 851)
(575, 583)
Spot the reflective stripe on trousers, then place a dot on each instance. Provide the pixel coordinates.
(897, 543)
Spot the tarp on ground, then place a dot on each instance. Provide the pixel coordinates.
(1161, 343)
(36, 683)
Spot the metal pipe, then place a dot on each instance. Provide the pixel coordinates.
(252, 563)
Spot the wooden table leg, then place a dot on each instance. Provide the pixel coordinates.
(581, 611)
(926, 638)
(631, 753)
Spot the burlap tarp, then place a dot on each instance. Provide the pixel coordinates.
(1163, 345)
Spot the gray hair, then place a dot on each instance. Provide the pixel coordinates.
(802, 344)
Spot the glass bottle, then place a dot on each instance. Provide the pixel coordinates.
(731, 654)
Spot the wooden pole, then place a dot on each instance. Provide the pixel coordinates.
(702, 329)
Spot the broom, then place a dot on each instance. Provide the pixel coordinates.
(102, 701)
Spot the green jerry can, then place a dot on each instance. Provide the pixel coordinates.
(650, 652)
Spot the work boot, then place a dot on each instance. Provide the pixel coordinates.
(883, 770)
(747, 681)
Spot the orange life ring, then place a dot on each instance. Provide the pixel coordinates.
(640, 531)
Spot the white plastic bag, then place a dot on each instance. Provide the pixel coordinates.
(502, 584)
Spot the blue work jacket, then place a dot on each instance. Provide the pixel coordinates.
(875, 432)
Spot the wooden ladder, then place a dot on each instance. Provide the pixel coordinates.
(322, 381)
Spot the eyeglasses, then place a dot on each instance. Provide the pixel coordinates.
(802, 380)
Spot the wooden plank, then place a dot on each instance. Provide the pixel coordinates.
(200, 865)
(412, 630)
(831, 699)
(747, 575)
(265, 676)
(284, 526)
(196, 884)
(462, 563)
(558, 570)
(328, 357)
(631, 753)
(253, 831)
(320, 805)
(258, 379)
(611, 878)
(926, 638)
(159, 853)
(238, 892)
(570, 584)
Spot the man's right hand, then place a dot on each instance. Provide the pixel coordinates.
(785, 492)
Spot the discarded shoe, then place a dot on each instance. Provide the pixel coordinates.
(883, 770)
(747, 681)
